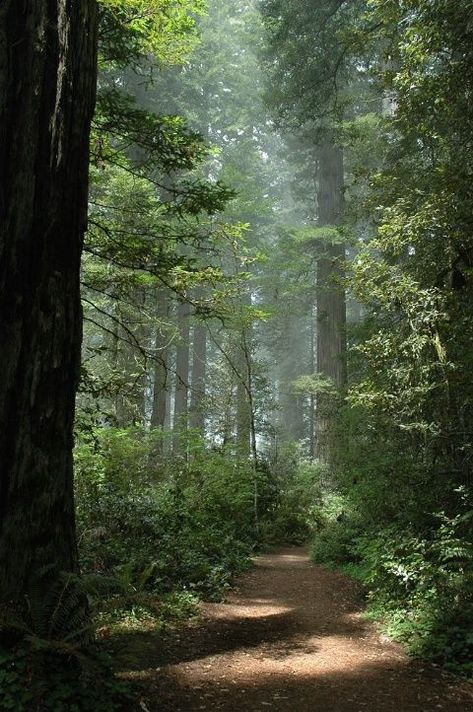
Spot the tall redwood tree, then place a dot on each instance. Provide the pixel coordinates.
(47, 92)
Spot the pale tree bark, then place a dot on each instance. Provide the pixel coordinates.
(331, 308)
(243, 372)
(160, 415)
(312, 359)
(291, 415)
(246, 414)
(47, 91)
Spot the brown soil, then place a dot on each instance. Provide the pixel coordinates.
(290, 638)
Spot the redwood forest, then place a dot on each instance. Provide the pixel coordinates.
(236, 349)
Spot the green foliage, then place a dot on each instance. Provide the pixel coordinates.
(33, 679)
(162, 527)
(422, 586)
(134, 28)
(297, 485)
(157, 524)
(317, 236)
(138, 610)
(333, 545)
(418, 574)
(403, 528)
(315, 89)
(49, 662)
(315, 383)
(336, 525)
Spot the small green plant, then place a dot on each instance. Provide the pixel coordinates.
(38, 679)
(422, 586)
(141, 611)
(167, 526)
(51, 663)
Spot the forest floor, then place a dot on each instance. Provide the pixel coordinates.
(290, 637)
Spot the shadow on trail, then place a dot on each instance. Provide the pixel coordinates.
(278, 634)
(289, 639)
(369, 687)
(191, 643)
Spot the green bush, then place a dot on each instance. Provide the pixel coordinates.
(48, 661)
(167, 526)
(334, 544)
(419, 576)
(33, 679)
(292, 516)
(336, 527)
(422, 585)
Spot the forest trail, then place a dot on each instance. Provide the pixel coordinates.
(291, 637)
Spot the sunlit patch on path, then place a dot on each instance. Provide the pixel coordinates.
(291, 637)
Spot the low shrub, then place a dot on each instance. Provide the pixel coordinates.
(419, 576)
(421, 584)
(34, 678)
(292, 517)
(168, 526)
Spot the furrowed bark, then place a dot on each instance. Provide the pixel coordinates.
(47, 92)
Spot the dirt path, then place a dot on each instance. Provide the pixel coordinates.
(291, 638)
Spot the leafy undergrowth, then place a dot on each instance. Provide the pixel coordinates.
(143, 613)
(419, 580)
(163, 525)
(157, 535)
(48, 671)
(39, 678)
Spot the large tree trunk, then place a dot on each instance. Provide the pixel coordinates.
(199, 368)
(47, 90)
(331, 309)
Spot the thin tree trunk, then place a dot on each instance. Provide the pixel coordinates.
(243, 415)
(47, 91)
(160, 384)
(161, 401)
(250, 417)
(199, 368)
(331, 309)
(130, 361)
(168, 412)
(182, 380)
(313, 348)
